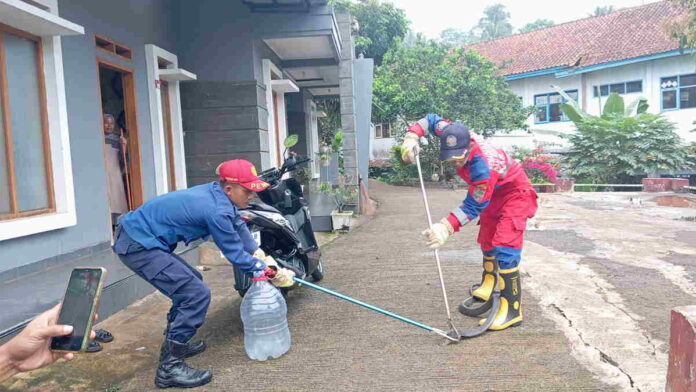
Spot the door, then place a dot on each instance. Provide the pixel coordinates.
(120, 135)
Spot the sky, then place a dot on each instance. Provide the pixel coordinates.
(430, 17)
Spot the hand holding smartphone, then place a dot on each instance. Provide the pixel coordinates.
(79, 307)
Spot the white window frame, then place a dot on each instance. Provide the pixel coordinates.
(270, 70)
(281, 87)
(312, 127)
(154, 75)
(32, 19)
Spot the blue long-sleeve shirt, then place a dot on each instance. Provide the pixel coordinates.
(190, 214)
(488, 169)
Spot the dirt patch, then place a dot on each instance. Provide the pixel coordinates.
(561, 240)
(686, 237)
(686, 261)
(675, 201)
(642, 290)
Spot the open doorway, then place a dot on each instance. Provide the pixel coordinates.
(120, 135)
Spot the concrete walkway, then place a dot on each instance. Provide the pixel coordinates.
(598, 285)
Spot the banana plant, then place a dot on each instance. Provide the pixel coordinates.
(613, 106)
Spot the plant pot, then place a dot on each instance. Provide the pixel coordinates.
(544, 188)
(565, 185)
(341, 220)
(352, 207)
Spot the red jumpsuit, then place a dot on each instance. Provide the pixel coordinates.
(499, 193)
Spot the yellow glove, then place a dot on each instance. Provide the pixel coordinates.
(438, 233)
(410, 147)
(283, 278)
(259, 254)
(268, 260)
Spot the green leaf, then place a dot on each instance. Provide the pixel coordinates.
(571, 101)
(614, 105)
(631, 108)
(290, 141)
(642, 106)
(571, 113)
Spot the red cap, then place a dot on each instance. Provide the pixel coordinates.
(242, 172)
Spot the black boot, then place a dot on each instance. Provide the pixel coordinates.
(192, 348)
(173, 371)
(510, 311)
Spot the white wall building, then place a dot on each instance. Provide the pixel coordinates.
(627, 52)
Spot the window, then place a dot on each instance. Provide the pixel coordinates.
(35, 153)
(619, 88)
(112, 47)
(26, 186)
(385, 130)
(549, 106)
(678, 92)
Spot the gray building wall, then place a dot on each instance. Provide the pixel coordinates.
(34, 269)
(297, 119)
(224, 112)
(216, 40)
(363, 72)
(224, 115)
(133, 23)
(223, 120)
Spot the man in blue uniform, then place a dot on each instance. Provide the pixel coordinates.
(145, 242)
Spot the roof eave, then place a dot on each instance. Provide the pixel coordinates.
(531, 74)
(619, 63)
(565, 71)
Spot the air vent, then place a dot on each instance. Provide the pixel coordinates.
(113, 47)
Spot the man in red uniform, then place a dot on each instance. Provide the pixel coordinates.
(500, 194)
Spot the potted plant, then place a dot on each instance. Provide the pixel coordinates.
(342, 217)
(343, 196)
(325, 156)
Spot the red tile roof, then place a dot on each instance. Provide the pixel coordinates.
(624, 34)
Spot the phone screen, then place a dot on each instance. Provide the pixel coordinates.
(77, 307)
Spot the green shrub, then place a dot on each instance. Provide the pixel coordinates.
(622, 143)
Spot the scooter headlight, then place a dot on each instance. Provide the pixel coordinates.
(276, 218)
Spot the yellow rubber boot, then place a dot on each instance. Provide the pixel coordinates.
(510, 311)
(485, 289)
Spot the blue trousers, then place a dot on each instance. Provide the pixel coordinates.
(173, 277)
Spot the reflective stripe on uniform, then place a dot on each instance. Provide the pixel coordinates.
(461, 216)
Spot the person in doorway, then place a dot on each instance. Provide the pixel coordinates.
(500, 195)
(145, 242)
(30, 349)
(115, 153)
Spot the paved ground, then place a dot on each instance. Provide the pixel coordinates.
(599, 276)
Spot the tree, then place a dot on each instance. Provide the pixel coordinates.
(460, 85)
(457, 37)
(494, 24)
(683, 27)
(412, 38)
(331, 123)
(599, 11)
(536, 25)
(380, 26)
(621, 143)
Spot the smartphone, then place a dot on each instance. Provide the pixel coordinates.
(79, 305)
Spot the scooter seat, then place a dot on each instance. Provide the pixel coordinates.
(262, 207)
